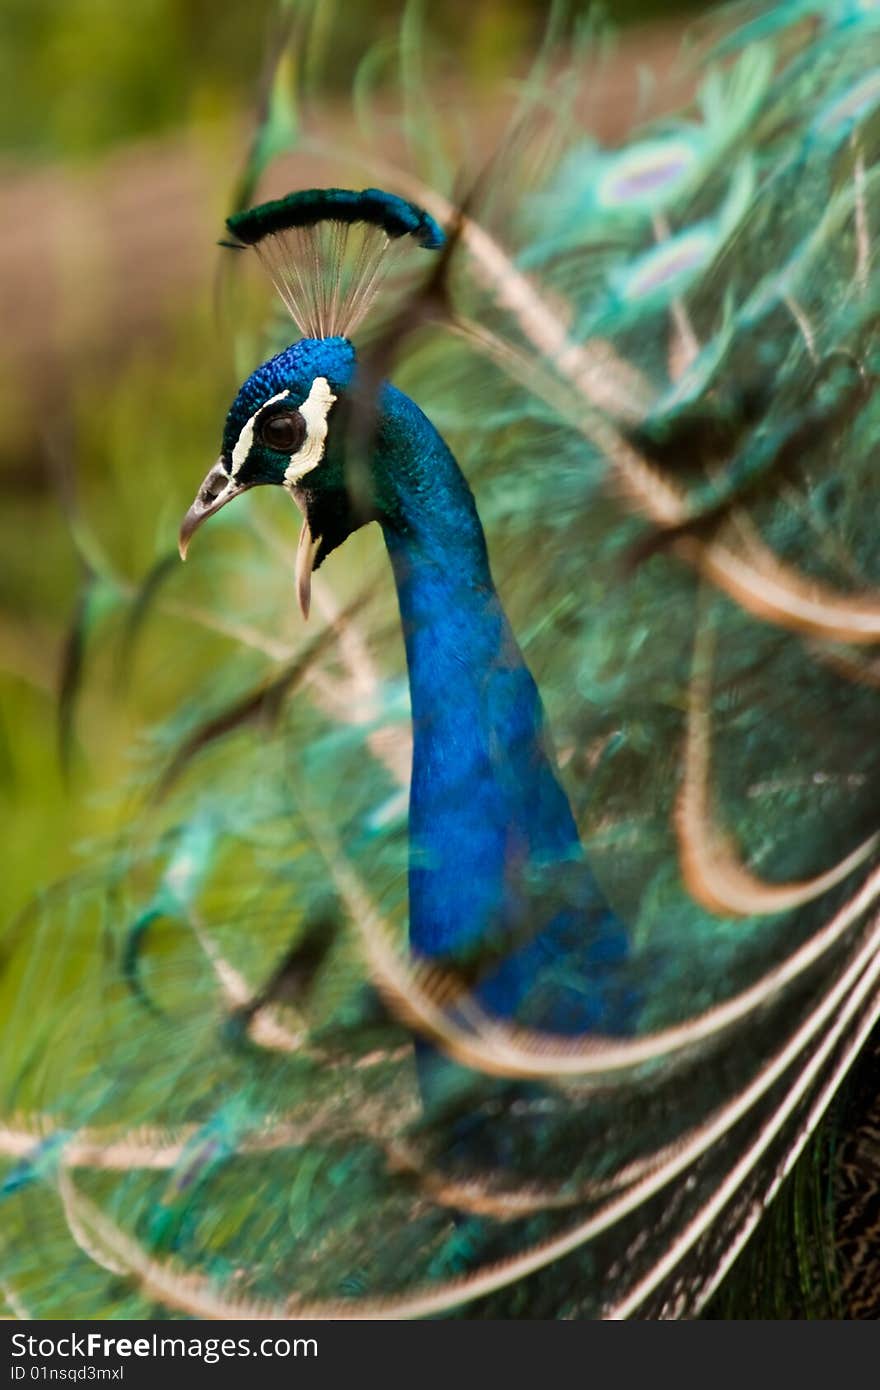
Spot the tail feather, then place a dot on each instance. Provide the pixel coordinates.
(656, 364)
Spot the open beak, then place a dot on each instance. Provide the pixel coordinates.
(217, 489)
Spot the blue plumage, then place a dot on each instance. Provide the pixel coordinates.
(499, 886)
(645, 965)
(497, 868)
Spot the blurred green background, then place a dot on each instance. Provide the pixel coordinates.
(122, 131)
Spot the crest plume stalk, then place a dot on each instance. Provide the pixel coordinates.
(504, 946)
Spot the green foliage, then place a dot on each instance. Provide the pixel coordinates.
(90, 74)
(80, 76)
(205, 1102)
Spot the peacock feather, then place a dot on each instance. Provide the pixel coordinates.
(498, 942)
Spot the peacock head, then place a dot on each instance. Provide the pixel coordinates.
(289, 425)
(285, 427)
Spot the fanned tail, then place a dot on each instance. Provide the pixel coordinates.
(657, 366)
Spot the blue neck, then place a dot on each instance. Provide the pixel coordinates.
(488, 817)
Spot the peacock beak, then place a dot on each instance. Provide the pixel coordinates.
(305, 562)
(217, 489)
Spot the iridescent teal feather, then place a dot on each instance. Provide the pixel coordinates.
(656, 369)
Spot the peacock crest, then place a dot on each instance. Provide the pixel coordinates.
(498, 943)
(328, 251)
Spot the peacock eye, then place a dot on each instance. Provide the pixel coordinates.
(283, 431)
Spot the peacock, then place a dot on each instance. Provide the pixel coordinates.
(501, 941)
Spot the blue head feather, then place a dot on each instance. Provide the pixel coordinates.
(294, 370)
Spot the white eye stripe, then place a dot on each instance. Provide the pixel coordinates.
(314, 410)
(245, 440)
